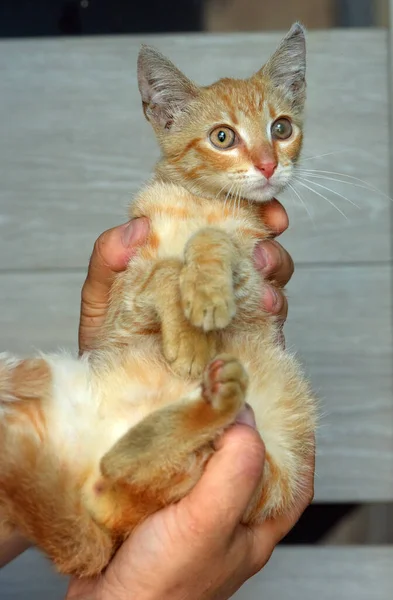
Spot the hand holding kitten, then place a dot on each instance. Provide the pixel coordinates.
(199, 547)
(114, 248)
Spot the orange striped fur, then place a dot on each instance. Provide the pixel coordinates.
(91, 446)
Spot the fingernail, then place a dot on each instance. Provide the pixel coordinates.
(262, 257)
(134, 232)
(246, 417)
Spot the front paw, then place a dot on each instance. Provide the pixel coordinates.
(207, 303)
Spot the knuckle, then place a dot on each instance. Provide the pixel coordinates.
(88, 300)
(276, 252)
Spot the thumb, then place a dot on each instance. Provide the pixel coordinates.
(111, 253)
(219, 500)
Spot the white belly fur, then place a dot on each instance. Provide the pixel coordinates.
(85, 421)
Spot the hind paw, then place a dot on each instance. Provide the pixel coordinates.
(225, 383)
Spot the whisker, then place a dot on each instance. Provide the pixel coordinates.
(326, 154)
(351, 177)
(227, 195)
(333, 192)
(235, 193)
(293, 200)
(221, 190)
(226, 198)
(240, 195)
(233, 197)
(366, 186)
(302, 202)
(324, 197)
(237, 198)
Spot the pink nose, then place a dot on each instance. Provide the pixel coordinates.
(266, 168)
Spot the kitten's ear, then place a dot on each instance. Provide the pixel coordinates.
(164, 89)
(287, 67)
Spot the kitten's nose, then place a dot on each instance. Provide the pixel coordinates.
(266, 168)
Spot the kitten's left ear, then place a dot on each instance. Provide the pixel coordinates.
(286, 69)
(164, 89)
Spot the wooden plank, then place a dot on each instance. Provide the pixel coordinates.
(39, 311)
(335, 573)
(75, 147)
(340, 323)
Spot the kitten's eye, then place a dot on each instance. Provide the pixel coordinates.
(223, 137)
(281, 129)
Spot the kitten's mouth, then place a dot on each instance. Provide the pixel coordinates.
(264, 191)
(266, 186)
(263, 184)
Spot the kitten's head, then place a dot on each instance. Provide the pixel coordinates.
(237, 137)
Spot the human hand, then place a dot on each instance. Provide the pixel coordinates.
(199, 548)
(111, 254)
(114, 248)
(273, 261)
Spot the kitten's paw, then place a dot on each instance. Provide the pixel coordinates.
(225, 384)
(207, 304)
(188, 352)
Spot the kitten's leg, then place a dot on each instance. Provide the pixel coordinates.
(206, 281)
(186, 348)
(39, 495)
(157, 461)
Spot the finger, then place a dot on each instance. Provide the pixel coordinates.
(273, 261)
(112, 251)
(219, 500)
(275, 302)
(275, 217)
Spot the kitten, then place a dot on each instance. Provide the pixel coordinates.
(92, 446)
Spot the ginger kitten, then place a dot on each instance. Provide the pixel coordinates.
(91, 446)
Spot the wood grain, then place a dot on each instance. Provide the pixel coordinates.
(75, 148)
(340, 324)
(301, 572)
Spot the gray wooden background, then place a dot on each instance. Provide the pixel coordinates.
(74, 148)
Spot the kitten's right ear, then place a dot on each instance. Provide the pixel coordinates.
(164, 89)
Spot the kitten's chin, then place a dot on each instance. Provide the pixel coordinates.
(264, 190)
(263, 194)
